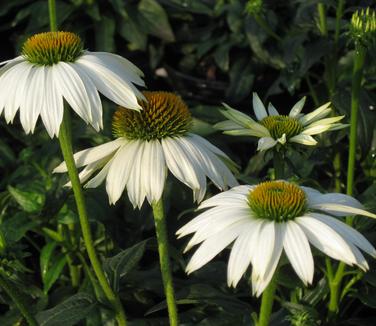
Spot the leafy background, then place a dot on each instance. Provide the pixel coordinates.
(208, 52)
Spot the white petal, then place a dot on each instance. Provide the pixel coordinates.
(318, 129)
(237, 117)
(117, 89)
(228, 125)
(92, 154)
(10, 63)
(326, 121)
(241, 253)
(203, 142)
(341, 210)
(53, 110)
(214, 245)
(135, 185)
(326, 239)
(333, 198)
(299, 252)
(297, 108)
(303, 139)
(282, 139)
(71, 86)
(34, 99)
(272, 110)
(348, 233)
(120, 169)
(258, 107)
(317, 114)
(265, 143)
(228, 198)
(93, 96)
(258, 284)
(154, 162)
(99, 178)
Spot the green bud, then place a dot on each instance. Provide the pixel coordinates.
(363, 27)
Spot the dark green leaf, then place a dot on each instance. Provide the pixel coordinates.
(53, 272)
(30, 202)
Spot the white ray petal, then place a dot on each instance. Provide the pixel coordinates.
(214, 245)
(92, 154)
(70, 85)
(326, 121)
(88, 171)
(265, 143)
(154, 162)
(272, 110)
(99, 178)
(326, 239)
(237, 117)
(348, 233)
(241, 253)
(33, 99)
(53, 110)
(299, 252)
(258, 284)
(135, 186)
(111, 85)
(120, 169)
(297, 108)
(228, 125)
(258, 107)
(314, 130)
(341, 210)
(93, 96)
(315, 115)
(10, 63)
(334, 198)
(204, 143)
(303, 139)
(227, 198)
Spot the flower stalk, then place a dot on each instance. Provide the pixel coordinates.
(17, 299)
(267, 302)
(163, 249)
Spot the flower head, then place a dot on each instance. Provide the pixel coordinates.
(272, 216)
(150, 142)
(273, 128)
(363, 27)
(54, 66)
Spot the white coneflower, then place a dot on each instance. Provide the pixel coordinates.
(272, 216)
(53, 66)
(150, 142)
(273, 128)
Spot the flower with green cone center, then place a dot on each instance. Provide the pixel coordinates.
(282, 124)
(49, 48)
(278, 201)
(163, 115)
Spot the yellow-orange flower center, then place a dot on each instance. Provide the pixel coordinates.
(50, 48)
(163, 115)
(278, 201)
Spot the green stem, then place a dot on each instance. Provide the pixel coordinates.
(66, 148)
(267, 302)
(339, 14)
(161, 230)
(52, 13)
(279, 165)
(349, 285)
(18, 301)
(322, 19)
(312, 91)
(337, 171)
(355, 91)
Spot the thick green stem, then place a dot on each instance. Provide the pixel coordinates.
(279, 165)
(66, 148)
(17, 299)
(267, 302)
(161, 230)
(356, 82)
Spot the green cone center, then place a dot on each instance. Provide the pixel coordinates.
(282, 124)
(277, 201)
(50, 48)
(163, 115)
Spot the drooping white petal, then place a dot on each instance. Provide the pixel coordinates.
(93, 96)
(111, 85)
(258, 107)
(259, 284)
(231, 198)
(135, 186)
(334, 198)
(214, 245)
(228, 125)
(265, 143)
(317, 114)
(101, 175)
(326, 239)
(297, 108)
(303, 139)
(92, 154)
(347, 232)
(33, 99)
(120, 169)
(272, 110)
(206, 144)
(299, 252)
(341, 210)
(241, 253)
(154, 162)
(88, 171)
(70, 85)
(53, 110)
(179, 164)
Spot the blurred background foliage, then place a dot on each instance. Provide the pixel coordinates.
(208, 52)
